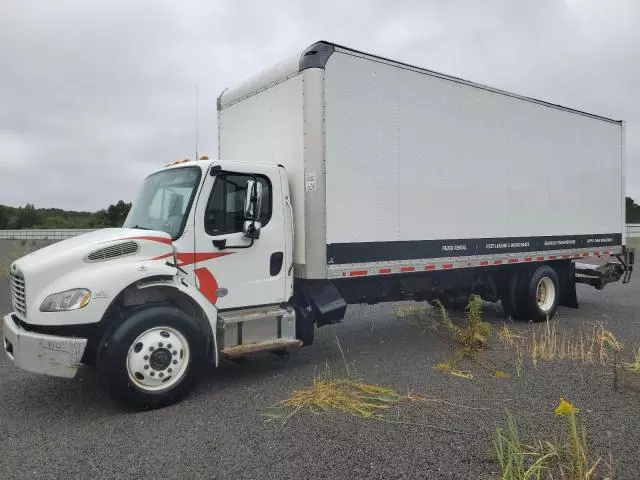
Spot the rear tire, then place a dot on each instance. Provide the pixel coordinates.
(153, 359)
(539, 294)
(510, 296)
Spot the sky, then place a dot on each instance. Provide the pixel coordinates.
(95, 95)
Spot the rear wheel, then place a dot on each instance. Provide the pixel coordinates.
(539, 294)
(509, 296)
(153, 358)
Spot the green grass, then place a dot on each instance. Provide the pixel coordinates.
(518, 461)
(566, 459)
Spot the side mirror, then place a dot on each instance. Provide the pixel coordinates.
(252, 208)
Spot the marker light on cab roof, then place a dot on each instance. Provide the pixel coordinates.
(203, 157)
(177, 162)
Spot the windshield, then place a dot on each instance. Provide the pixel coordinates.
(165, 200)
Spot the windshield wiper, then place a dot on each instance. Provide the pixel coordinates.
(171, 264)
(141, 228)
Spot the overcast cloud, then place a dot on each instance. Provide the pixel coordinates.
(96, 94)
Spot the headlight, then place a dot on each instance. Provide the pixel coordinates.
(64, 301)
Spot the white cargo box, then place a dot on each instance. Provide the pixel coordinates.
(394, 168)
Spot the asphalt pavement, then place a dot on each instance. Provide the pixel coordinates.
(67, 429)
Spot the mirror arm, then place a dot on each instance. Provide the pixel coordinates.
(222, 244)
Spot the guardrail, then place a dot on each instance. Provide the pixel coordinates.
(633, 231)
(43, 234)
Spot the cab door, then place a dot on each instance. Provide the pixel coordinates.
(232, 270)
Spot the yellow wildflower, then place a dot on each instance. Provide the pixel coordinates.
(565, 408)
(445, 367)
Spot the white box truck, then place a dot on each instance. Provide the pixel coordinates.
(342, 178)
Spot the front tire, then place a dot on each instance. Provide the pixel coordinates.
(153, 359)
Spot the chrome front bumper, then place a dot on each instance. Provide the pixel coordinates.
(40, 353)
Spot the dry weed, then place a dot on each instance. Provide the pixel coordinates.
(511, 337)
(635, 365)
(412, 310)
(450, 368)
(349, 396)
(597, 345)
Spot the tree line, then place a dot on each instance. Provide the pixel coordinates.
(114, 215)
(633, 211)
(31, 217)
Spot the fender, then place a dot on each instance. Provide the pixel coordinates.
(106, 283)
(181, 284)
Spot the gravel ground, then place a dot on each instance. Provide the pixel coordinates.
(56, 428)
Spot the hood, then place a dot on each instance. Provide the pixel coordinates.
(84, 244)
(68, 257)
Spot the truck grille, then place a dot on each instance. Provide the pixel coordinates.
(18, 295)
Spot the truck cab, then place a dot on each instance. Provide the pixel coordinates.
(202, 267)
(230, 224)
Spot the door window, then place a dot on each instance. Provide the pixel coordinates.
(225, 208)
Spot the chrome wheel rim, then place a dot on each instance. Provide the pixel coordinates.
(545, 294)
(158, 359)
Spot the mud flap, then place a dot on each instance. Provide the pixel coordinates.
(567, 276)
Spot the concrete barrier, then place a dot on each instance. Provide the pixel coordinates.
(633, 235)
(17, 243)
(42, 234)
(11, 250)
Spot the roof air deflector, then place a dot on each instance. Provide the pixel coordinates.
(316, 56)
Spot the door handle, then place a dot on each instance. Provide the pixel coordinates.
(275, 265)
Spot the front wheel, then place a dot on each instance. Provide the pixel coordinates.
(153, 358)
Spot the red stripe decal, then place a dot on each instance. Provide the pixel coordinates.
(539, 259)
(513, 260)
(160, 257)
(168, 241)
(498, 262)
(606, 252)
(208, 284)
(566, 256)
(484, 263)
(358, 273)
(384, 270)
(527, 259)
(552, 257)
(188, 258)
(408, 269)
(429, 267)
(447, 265)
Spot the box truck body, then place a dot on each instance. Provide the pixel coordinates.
(393, 166)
